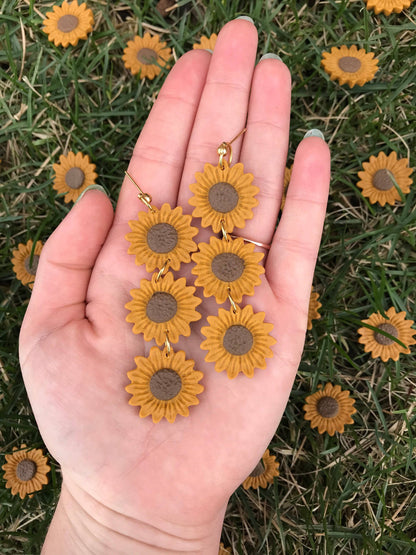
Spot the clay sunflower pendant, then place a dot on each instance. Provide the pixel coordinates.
(329, 409)
(161, 235)
(223, 196)
(238, 341)
(350, 65)
(164, 386)
(163, 305)
(25, 262)
(25, 471)
(227, 266)
(264, 473)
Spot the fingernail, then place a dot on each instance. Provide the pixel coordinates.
(91, 188)
(246, 18)
(270, 56)
(314, 133)
(208, 50)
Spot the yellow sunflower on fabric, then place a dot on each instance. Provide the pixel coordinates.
(223, 197)
(69, 23)
(73, 175)
(264, 473)
(382, 176)
(350, 65)
(329, 409)
(161, 235)
(378, 344)
(206, 43)
(238, 341)
(227, 267)
(388, 6)
(161, 305)
(146, 55)
(25, 471)
(164, 386)
(314, 306)
(25, 261)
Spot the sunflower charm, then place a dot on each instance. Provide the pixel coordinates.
(388, 6)
(160, 235)
(73, 175)
(264, 473)
(164, 386)
(227, 266)
(223, 196)
(25, 471)
(238, 341)
(146, 55)
(350, 65)
(379, 344)
(329, 409)
(25, 262)
(69, 23)
(163, 305)
(384, 178)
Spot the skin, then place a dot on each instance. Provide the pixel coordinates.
(131, 486)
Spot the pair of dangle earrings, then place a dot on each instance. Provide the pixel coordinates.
(165, 383)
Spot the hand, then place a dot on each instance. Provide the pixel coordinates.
(128, 482)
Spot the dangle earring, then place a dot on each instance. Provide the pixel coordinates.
(164, 384)
(237, 340)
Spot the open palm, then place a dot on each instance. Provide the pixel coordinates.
(76, 346)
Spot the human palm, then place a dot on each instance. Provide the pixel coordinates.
(76, 346)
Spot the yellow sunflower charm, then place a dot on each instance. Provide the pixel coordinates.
(25, 262)
(164, 385)
(238, 341)
(286, 181)
(146, 55)
(388, 6)
(162, 305)
(69, 23)
(329, 409)
(160, 235)
(314, 306)
(383, 176)
(350, 65)
(25, 471)
(73, 175)
(379, 344)
(264, 473)
(206, 43)
(227, 267)
(223, 196)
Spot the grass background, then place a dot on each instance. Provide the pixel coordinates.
(353, 493)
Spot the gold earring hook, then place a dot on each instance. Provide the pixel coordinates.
(225, 148)
(163, 270)
(167, 348)
(144, 197)
(233, 304)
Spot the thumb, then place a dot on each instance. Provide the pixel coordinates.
(66, 262)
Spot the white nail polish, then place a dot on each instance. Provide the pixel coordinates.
(314, 133)
(271, 56)
(246, 18)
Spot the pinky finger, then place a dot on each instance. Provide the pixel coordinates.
(292, 257)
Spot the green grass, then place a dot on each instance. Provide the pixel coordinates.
(350, 494)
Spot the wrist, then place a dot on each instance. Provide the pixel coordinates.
(82, 525)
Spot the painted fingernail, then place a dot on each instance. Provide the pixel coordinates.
(270, 56)
(314, 133)
(91, 188)
(246, 18)
(208, 50)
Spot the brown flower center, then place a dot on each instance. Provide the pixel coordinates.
(67, 23)
(382, 339)
(147, 56)
(223, 197)
(328, 407)
(227, 266)
(31, 268)
(26, 470)
(165, 384)
(349, 64)
(162, 238)
(161, 307)
(74, 178)
(258, 471)
(382, 180)
(237, 340)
